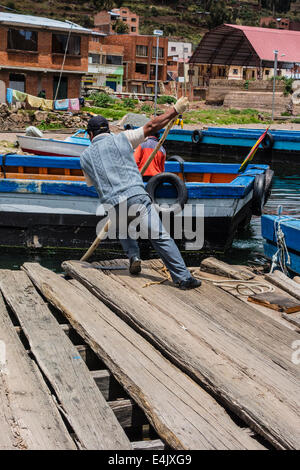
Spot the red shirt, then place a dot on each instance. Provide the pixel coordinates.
(143, 152)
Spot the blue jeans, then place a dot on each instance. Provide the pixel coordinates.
(152, 229)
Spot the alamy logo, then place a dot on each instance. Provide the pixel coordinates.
(142, 222)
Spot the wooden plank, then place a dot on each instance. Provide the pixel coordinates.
(183, 414)
(156, 444)
(215, 266)
(257, 381)
(281, 303)
(294, 318)
(29, 418)
(128, 413)
(230, 288)
(87, 411)
(279, 279)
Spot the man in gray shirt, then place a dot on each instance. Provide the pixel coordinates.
(109, 165)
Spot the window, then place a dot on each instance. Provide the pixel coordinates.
(173, 49)
(59, 43)
(114, 59)
(94, 58)
(160, 52)
(22, 40)
(17, 81)
(185, 49)
(141, 68)
(124, 19)
(133, 19)
(142, 51)
(267, 72)
(133, 29)
(235, 71)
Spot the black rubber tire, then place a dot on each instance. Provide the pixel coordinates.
(268, 141)
(269, 174)
(197, 136)
(128, 127)
(174, 180)
(258, 199)
(175, 158)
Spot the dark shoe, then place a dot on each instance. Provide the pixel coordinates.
(135, 265)
(190, 283)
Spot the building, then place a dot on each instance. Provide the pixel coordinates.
(182, 50)
(140, 59)
(244, 52)
(105, 66)
(32, 53)
(105, 21)
(279, 23)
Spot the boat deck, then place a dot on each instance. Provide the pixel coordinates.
(98, 359)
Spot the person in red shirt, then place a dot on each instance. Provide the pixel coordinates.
(143, 152)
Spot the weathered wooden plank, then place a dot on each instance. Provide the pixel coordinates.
(230, 288)
(262, 392)
(156, 444)
(215, 266)
(183, 414)
(90, 416)
(279, 279)
(29, 418)
(282, 303)
(294, 318)
(128, 413)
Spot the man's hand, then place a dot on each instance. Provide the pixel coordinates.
(181, 105)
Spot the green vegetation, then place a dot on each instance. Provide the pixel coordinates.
(221, 116)
(166, 99)
(108, 113)
(45, 126)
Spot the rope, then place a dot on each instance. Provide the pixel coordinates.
(63, 63)
(282, 257)
(243, 287)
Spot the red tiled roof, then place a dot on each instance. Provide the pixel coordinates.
(265, 40)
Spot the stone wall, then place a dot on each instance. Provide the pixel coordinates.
(262, 101)
(219, 89)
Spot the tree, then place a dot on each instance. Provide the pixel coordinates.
(121, 27)
(219, 14)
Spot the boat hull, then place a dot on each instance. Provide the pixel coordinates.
(52, 147)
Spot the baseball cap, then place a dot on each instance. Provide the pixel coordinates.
(97, 123)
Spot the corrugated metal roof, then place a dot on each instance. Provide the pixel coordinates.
(247, 46)
(41, 22)
(266, 40)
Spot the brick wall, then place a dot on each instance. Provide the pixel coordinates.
(43, 58)
(130, 42)
(219, 89)
(262, 101)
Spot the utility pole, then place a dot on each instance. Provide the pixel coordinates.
(157, 33)
(274, 81)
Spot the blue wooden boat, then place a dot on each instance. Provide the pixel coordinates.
(290, 227)
(178, 140)
(45, 202)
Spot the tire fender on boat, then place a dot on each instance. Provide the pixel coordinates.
(176, 182)
(258, 199)
(268, 141)
(197, 136)
(269, 174)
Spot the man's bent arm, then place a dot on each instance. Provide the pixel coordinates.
(159, 122)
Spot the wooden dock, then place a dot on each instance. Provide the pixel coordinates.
(104, 360)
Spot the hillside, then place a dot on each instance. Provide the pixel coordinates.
(180, 19)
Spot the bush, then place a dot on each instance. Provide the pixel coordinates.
(166, 99)
(234, 111)
(146, 108)
(129, 103)
(101, 100)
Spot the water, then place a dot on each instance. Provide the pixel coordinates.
(285, 192)
(248, 248)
